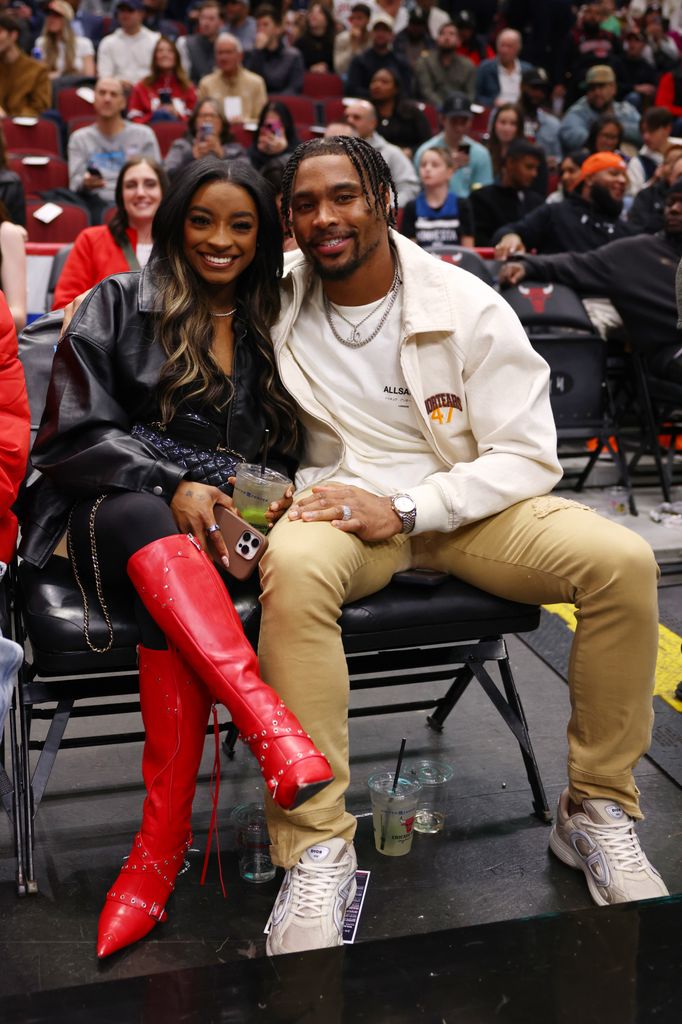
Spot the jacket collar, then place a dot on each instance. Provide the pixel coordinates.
(148, 295)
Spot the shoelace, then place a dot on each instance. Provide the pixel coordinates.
(313, 887)
(620, 843)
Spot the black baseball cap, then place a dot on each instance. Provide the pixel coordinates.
(535, 76)
(456, 104)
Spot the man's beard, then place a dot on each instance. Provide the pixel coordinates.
(346, 270)
(603, 201)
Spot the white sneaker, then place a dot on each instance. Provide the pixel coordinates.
(311, 905)
(600, 839)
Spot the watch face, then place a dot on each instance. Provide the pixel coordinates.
(403, 503)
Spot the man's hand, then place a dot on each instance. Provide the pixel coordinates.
(459, 159)
(508, 245)
(92, 181)
(372, 518)
(192, 508)
(511, 273)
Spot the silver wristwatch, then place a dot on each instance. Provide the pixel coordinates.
(406, 510)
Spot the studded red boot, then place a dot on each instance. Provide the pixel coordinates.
(182, 591)
(175, 709)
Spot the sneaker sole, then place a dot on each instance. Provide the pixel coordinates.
(565, 854)
(309, 790)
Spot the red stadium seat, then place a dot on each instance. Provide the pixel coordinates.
(301, 108)
(63, 228)
(304, 133)
(21, 138)
(167, 132)
(70, 104)
(40, 177)
(431, 115)
(82, 121)
(244, 136)
(479, 123)
(334, 110)
(322, 86)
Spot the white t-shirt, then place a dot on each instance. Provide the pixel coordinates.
(510, 83)
(84, 48)
(366, 394)
(143, 251)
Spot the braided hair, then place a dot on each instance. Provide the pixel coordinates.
(372, 170)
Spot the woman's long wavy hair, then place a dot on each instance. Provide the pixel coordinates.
(178, 70)
(118, 225)
(184, 325)
(51, 48)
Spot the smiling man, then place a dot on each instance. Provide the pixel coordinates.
(428, 439)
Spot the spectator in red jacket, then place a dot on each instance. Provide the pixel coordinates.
(123, 244)
(14, 436)
(167, 93)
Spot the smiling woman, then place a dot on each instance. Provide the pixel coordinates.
(182, 348)
(126, 242)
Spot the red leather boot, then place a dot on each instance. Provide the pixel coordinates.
(182, 591)
(175, 708)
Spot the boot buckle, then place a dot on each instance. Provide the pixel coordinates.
(157, 912)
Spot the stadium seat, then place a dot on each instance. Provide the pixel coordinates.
(38, 177)
(322, 86)
(301, 108)
(70, 105)
(63, 228)
(23, 138)
(167, 132)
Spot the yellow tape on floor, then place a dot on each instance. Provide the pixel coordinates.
(668, 664)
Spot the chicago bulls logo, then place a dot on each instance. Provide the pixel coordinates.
(536, 296)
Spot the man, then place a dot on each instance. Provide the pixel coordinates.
(589, 44)
(499, 80)
(655, 126)
(242, 92)
(25, 89)
(280, 66)
(154, 20)
(646, 213)
(197, 51)
(511, 199)
(539, 126)
(636, 274)
(127, 53)
(454, 476)
(443, 71)
(600, 85)
(353, 40)
(414, 41)
(240, 24)
(435, 17)
(471, 45)
(362, 118)
(635, 75)
(472, 163)
(379, 55)
(587, 218)
(103, 147)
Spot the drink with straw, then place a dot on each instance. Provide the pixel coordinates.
(255, 490)
(393, 810)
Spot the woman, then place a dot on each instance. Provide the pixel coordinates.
(167, 93)
(185, 339)
(11, 187)
(123, 244)
(506, 123)
(400, 121)
(276, 137)
(62, 50)
(316, 44)
(605, 135)
(208, 134)
(569, 173)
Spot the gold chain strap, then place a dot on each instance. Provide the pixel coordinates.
(98, 579)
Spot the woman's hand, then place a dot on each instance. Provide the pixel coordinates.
(204, 147)
(192, 508)
(270, 143)
(70, 311)
(371, 518)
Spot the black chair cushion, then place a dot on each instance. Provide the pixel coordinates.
(398, 615)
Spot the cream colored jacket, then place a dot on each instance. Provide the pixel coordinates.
(480, 392)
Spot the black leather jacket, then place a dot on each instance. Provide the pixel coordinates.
(104, 379)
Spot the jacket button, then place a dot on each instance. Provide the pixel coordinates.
(157, 490)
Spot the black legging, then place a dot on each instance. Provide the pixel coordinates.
(124, 523)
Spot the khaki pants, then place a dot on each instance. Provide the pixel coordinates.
(540, 551)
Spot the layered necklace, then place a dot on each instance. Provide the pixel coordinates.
(355, 339)
(229, 312)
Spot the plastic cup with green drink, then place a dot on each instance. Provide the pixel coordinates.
(255, 490)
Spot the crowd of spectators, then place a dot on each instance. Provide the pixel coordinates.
(485, 112)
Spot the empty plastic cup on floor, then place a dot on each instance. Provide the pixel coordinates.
(253, 843)
(434, 777)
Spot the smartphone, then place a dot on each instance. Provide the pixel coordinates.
(420, 577)
(464, 147)
(94, 171)
(205, 131)
(165, 96)
(245, 546)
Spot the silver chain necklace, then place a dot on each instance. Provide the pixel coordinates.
(354, 340)
(229, 312)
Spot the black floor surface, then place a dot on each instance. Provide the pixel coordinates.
(490, 865)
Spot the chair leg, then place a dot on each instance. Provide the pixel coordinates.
(650, 423)
(540, 805)
(463, 677)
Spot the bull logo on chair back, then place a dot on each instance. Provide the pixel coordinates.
(537, 296)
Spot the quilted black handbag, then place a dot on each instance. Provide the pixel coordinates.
(192, 442)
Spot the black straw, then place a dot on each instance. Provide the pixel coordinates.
(399, 765)
(266, 445)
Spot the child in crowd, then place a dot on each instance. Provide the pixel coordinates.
(437, 217)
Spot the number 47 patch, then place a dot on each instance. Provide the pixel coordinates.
(440, 407)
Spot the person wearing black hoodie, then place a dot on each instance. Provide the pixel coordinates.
(588, 218)
(636, 274)
(511, 199)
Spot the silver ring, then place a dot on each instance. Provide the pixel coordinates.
(213, 529)
(346, 513)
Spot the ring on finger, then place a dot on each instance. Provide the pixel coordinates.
(213, 529)
(346, 513)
